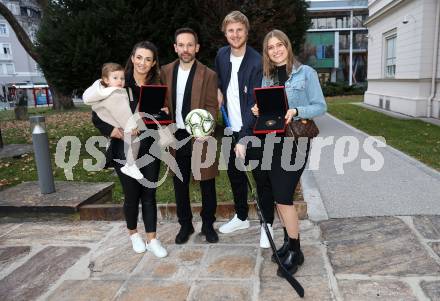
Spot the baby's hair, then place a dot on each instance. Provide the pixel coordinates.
(107, 68)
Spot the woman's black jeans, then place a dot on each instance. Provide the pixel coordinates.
(134, 191)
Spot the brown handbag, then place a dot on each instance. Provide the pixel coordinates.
(302, 128)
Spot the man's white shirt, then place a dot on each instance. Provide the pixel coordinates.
(182, 78)
(233, 95)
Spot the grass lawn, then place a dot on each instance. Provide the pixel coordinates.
(416, 138)
(77, 123)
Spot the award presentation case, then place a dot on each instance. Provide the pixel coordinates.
(151, 101)
(272, 107)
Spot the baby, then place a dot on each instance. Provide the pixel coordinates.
(110, 101)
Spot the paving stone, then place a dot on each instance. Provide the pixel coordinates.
(309, 232)
(34, 277)
(154, 290)
(230, 262)
(431, 289)
(245, 236)
(114, 258)
(376, 246)
(428, 226)
(57, 233)
(313, 264)
(182, 262)
(277, 289)
(435, 246)
(367, 290)
(4, 228)
(86, 290)
(221, 291)
(11, 254)
(167, 232)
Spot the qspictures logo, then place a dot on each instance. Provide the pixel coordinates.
(345, 150)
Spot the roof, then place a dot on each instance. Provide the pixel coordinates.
(322, 5)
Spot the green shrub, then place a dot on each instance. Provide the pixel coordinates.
(342, 88)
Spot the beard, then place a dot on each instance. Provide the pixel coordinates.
(187, 57)
(239, 45)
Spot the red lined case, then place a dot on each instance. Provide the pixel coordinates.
(151, 100)
(272, 105)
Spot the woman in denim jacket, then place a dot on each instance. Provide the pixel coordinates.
(305, 100)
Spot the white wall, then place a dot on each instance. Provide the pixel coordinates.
(409, 42)
(375, 5)
(409, 90)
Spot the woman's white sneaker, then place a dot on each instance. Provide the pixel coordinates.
(264, 240)
(132, 171)
(156, 248)
(138, 243)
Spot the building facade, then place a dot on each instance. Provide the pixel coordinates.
(336, 43)
(17, 68)
(404, 56)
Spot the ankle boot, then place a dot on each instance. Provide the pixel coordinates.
(293, 258)
(284, 248)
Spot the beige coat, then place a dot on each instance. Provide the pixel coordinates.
(111, 105)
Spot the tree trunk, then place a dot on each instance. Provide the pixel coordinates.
(1, 139)
(61, 101)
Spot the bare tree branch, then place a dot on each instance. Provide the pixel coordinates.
(21, 34)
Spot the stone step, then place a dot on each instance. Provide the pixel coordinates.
(68, 197)
(225, 210)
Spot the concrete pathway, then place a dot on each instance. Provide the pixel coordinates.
(403, 186)
(383, 258)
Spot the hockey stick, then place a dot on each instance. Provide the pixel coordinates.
(289, 277)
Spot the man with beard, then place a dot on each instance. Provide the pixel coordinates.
(191, 85)
(239, 70)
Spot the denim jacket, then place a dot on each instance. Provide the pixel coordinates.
(303, 92)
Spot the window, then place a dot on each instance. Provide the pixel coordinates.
(358, 20)
(5, 51)
(4, 30)
(10, 69)
(7, 69)
(342, 21)
(344, 40)
(314, 23)
(390, 55)
(331, 22)
(360, 41)
(322, 23)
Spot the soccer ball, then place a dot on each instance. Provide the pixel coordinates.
(199, 123)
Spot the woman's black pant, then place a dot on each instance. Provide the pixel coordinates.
(134, 191)
(278, 183)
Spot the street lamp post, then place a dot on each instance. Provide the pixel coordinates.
(42, 154)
